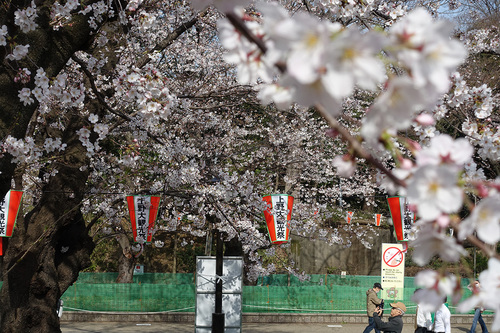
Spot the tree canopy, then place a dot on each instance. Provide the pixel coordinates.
(213, 107)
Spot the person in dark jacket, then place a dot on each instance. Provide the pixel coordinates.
(395, 323)
(372, 302)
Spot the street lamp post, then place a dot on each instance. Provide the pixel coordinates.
(218, 316)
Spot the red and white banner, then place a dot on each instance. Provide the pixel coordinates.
(378, 219)
(349, 216)
(143, 210)
(9, 208)
(277, 214)
(402, 217)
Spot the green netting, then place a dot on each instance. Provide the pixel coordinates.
(154, 278)
(143, 297)
(156, 292)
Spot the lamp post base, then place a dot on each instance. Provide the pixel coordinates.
(218, 322)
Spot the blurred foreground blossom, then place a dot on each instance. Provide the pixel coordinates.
(433, 241)
(436, 287)
(488, 296)
(485, 219)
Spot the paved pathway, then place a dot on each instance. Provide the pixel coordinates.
(125, 327)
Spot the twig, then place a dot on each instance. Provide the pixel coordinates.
(356, 145)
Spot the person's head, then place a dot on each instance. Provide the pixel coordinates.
(377, 287)
(397, 309)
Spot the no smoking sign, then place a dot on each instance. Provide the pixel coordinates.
(393, 257)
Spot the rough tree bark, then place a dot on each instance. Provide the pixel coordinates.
(50, 247)
(126, 261)
(51, 244)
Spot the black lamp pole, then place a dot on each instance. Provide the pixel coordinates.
(218, 316)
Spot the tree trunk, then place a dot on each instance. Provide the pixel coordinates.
(126, 262)
(174, 269)
(49, 247)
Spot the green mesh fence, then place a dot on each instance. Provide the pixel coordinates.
(156, 292)
(154, 278)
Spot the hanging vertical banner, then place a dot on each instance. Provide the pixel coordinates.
(378, 219)
(9, 208)
(143, 210)
(349, 216)
(402, 217)
(277, 214)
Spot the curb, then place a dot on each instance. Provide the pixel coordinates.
(189, 317)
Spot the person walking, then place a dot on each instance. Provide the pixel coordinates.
(423, 318)
(372, 302)
(442, 322)
(475, 287)
(395, 322)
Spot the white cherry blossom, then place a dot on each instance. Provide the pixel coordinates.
(484, 219)
(25, 18)
(433, 241)
(444, 150)
(25, 96)
(435, 287)
(19, 52)
(3, 33)
(425, 48)
(93, 118)
(309, 40)
(275, 93)
(352, 60)
(434, 190)
(222, 5)
(393, 109)
(346, 166)
(488, 296)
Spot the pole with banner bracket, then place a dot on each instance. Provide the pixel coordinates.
(218, 316)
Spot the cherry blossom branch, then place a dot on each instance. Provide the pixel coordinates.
(356, 145)
(491, 253)
(101, 99)
(229, 221)
(170, 38)
(238, 23)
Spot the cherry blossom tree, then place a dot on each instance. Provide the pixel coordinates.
(320, 63)
(107, 124)
(211, 108)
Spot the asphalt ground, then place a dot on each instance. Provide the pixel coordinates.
(127, 327)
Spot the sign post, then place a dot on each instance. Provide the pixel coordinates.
(393, 271)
